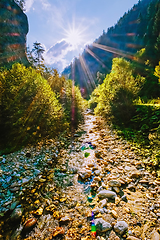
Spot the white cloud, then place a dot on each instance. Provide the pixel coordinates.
(45, 4)
(56, 55)
(29, 4)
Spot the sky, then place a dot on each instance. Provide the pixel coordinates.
(65, 27)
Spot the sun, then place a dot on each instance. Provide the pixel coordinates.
(74, 35)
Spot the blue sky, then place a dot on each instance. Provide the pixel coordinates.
(64, 27)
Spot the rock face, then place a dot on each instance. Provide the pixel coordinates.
(14, 28)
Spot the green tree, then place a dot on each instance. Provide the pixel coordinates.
(157, 71)
(38, 51)
(116, 94)
(30, 109)
(21, 4)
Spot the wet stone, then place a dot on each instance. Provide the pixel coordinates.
(102, 225)
(132, 238)
(124, 198)
(135, 174)
(97, 172)
(107, 194)
(16, 214)
(49, 201)
(114, 183)
(28, 154)
(84, 174)
(120, 227)
(29, 224)
(15, 189)
(13, 205)
(65, 220)
(97, 154)
(131, 187)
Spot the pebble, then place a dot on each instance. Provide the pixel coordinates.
(65, 220)
(97, 172)
(124, 198)
(29, 224)
(38, 211)
(102, 225)
(84, 173)
(131, 187)
(15, 176)
(117, 200)
(114, 183)
(120, 227)
(116, 189)
(155, 235)
(97, 154)
(135, 174)
(114, 214)
(132, 238)
(103, 203)
(16, 214)
(13, 205)
(97, 179)
(107, 194)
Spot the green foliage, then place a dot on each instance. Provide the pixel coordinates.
(144, 130)
(73, 103)
(143, 66)
(151, 32)
(38, 51)
(29, 106)
(157, 71)
(33, 107)
(114, 97)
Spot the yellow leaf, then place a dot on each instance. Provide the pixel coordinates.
(39, 211)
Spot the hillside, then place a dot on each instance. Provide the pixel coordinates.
(124, 39)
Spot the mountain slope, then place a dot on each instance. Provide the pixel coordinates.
(124, 39)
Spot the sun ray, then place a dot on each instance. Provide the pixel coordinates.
(85, 74)
(84, 86)
(96, 57)
(90, 78)
(114, 50)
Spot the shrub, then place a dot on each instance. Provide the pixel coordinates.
(36, 103)
(115, 96)
(73, 103)
(29, 106)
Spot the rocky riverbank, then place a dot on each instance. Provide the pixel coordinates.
(49, 192)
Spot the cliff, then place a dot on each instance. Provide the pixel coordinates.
(13, 31)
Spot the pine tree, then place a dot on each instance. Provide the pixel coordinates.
(38, 51)
(21, 4)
